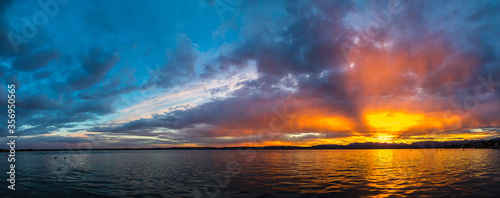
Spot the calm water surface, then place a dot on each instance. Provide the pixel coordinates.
(281, 173)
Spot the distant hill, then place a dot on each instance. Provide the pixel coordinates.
(493, 143)
(415, 145)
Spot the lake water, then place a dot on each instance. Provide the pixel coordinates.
(269, 173)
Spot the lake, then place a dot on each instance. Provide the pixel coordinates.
(261, 173)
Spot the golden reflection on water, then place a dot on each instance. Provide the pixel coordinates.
(376, 173)
(270, 173)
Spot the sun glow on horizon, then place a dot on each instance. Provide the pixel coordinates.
(392, 121)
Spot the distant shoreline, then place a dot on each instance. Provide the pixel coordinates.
(476, 144)
(228, 149)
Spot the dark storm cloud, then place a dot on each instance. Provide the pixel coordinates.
(4, 5)
(484, 13)
(98, 107)
(39, 102)
(179, 69)
(309, 45)
(45, 115)
(27, 53)
(95, 66)
(6, 48)
(35, 61)
(180, 66)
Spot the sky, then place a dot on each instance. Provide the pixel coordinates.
(143, 74)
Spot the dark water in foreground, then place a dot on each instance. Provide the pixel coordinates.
(282, 173)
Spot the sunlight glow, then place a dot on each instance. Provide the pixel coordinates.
(393, 121)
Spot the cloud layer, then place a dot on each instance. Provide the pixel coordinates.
(155, 74)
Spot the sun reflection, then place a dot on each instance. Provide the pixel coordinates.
(373, 172)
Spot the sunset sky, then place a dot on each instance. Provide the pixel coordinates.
(109, 74)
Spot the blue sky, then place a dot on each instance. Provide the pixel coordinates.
(214, 73)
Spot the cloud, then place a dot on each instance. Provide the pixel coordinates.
(36, 61)
(39, 102)
(96, 65)
(180, 66)
(276, 71)
(416, 73)
(6, 48)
